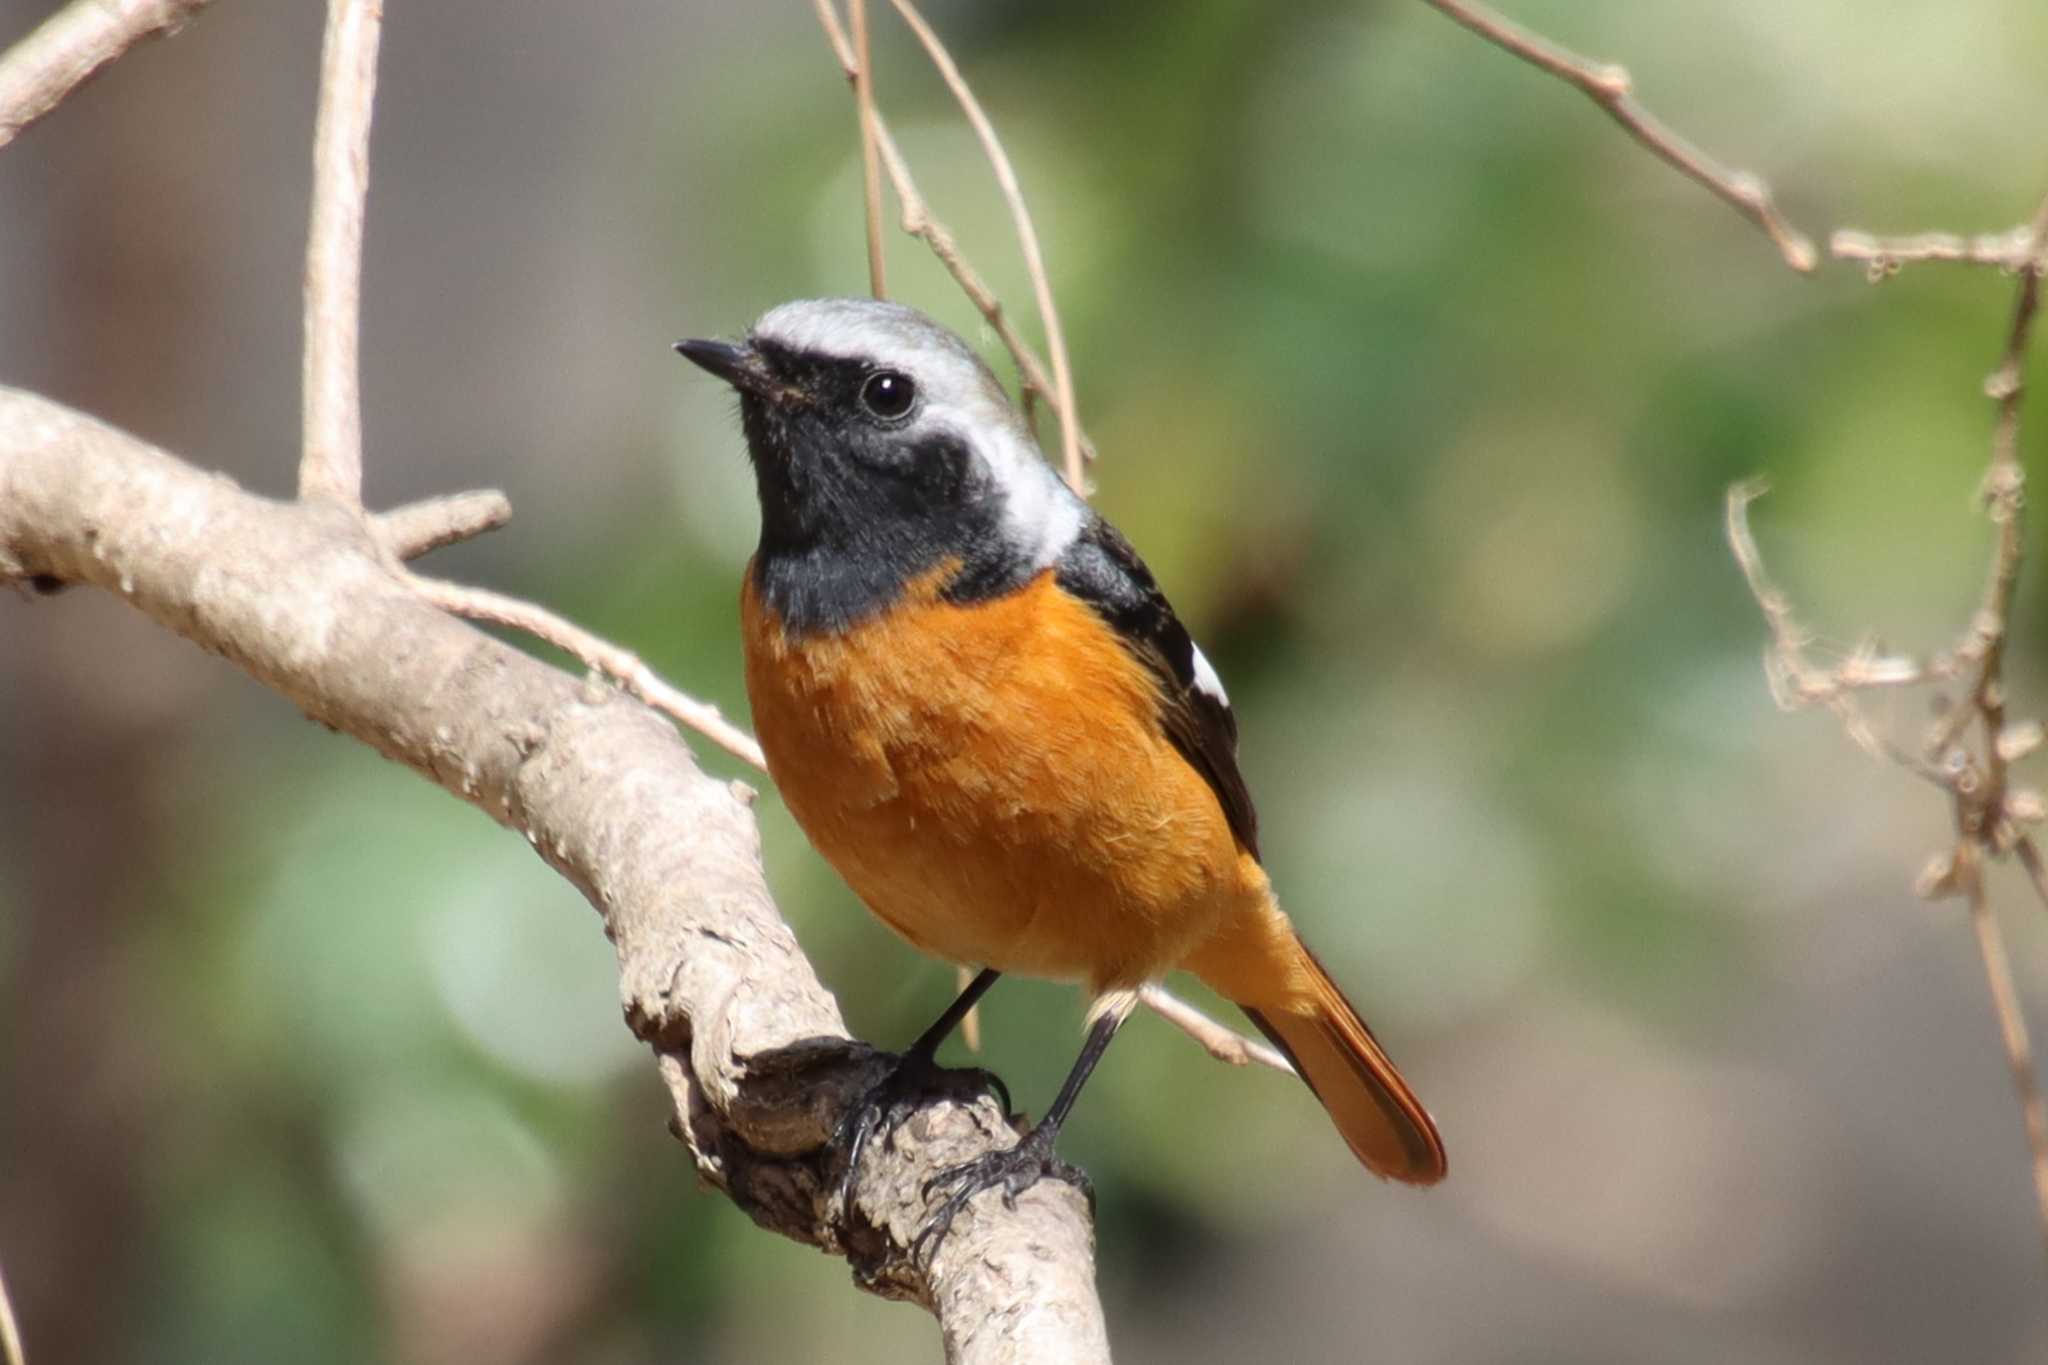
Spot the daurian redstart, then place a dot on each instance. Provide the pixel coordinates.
(979, 706)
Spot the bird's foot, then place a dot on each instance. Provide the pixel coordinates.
(1012, 1171)
(914, 1079)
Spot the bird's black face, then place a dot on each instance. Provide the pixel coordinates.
(881, 454)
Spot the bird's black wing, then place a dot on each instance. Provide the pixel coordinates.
(1102, 569)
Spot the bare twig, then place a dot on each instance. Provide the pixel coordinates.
(2012, 1027)
(623, 667)
(421, 527)
(2030, 858)
(331, 457)
(870, 152)
(1884, 255)
(60, 55)
(2003, 491)
(1795, 681)
(1611, 88)
(2007, 384)
(918, 221)
(1224, 1044)
(1027, 238)
(10, 1331)
(1989, 813)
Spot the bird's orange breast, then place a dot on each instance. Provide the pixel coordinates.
(992, 779)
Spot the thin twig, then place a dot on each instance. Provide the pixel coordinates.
(481, 604)
(870, 154)
(1795, 682)
(1989, 813)
(10, 1332)
(1027, 238)
(420, 527)
(331, 458)
(2030, 858)
(1611, 88)
(1224, 1044)
(2009, 250)
(970, 1022)
(2003, 491)
(918, 221)
(68, 47)
(2007, 383)
(2012, 1029)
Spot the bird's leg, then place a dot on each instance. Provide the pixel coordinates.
(915, 1072)
(1018, 1168)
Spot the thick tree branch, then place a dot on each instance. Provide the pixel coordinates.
(40, 70)
(756, 1059)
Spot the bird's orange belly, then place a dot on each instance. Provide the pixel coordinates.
(992, 781)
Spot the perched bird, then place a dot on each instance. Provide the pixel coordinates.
(981, 710)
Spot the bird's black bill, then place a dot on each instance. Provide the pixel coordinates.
(739, 366)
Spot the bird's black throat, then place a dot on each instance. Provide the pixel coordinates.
(852, 511)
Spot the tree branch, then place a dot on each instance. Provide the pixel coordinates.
(422, 527)
(2012, 1026)
(1611, 88)
(72, 44)
(755, 1057)
(331, 454)
(1989, 813)
(1224, 1044)
(1884, 255)
(863, 79)
(623, 667)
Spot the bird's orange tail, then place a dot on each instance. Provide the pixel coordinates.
(1332, 1049)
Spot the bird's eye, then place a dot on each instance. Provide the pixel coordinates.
(888, 394)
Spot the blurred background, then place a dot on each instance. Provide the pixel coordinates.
(1418, 384)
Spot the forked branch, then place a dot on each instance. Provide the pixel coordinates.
(1991, 815)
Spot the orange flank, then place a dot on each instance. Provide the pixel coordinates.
(994, 782)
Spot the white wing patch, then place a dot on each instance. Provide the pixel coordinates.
(1206, 680)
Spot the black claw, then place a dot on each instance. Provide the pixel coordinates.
(890, 1101)
(1012, 1171)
